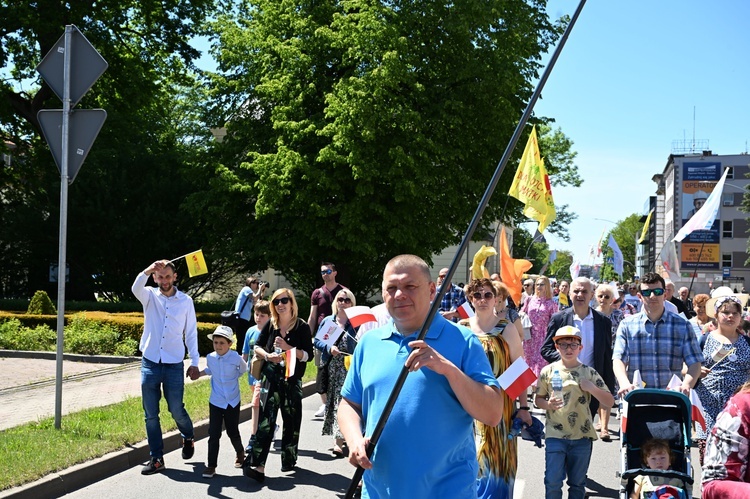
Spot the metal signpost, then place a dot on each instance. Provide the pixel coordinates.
(70, 68)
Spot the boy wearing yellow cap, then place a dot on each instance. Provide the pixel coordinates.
(564, 390)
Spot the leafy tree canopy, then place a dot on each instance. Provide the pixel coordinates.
(358, 130)
(625, 233)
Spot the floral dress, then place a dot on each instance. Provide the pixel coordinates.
(724, 379)
(540, 311)
(336, 376)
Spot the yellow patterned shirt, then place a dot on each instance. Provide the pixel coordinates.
(573, 420)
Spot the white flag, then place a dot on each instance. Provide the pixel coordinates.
(329, 334)
(704, 218)
(619, 260)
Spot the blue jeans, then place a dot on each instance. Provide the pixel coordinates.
(169, 377)
(569, 457)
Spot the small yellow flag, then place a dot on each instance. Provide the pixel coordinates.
(531, 185)
(196, 263)
(644, 233)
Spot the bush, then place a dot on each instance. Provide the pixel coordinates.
(127, 348)
(13, 336)
(41, 304)
(89, 337)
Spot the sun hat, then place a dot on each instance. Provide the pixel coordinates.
(223, 331)
(567, 332)
(723, 292)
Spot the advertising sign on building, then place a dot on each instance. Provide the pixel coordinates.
(700, 249)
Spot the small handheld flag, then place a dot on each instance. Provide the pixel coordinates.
(195, 262)
(465, 311)
(329, 334)
(359, 315)
(517, 378)
(290, 362)
(697, 413)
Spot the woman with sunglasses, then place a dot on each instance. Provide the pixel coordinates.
(283, 332)
(501, 341)
(333, 358)
(726, 360)
(606, 298)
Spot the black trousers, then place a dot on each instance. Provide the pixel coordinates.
(230, 419)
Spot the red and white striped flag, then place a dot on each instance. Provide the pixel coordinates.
(517, 378)
(359, 315)
(697, 413)
(290, 358)
(465, 311)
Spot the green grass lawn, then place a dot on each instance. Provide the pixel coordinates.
(33, 450)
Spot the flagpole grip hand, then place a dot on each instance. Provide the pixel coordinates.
(422, 355)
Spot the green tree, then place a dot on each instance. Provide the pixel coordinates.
(560, 268)
(358, 130)
(625, 233)
(126, 206)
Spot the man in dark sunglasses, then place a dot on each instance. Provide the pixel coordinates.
(655, 342)
(321, 306)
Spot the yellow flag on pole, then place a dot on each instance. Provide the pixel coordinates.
(644, 233)
(531, 185)
(196, 263)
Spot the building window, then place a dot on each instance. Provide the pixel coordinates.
(727, 199)
(726, 260)
(730, 172)
(726, 229)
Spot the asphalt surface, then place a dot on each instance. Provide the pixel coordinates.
(28, 394)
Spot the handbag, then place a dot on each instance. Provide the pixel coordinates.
(232, 319)
(256, 366)
(526, 324)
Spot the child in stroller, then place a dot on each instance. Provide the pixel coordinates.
(648, 415)
(656, 455)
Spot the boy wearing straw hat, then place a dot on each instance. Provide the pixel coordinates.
(225, 366)
(570, 430)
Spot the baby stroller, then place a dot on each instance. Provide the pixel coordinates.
(646, 414)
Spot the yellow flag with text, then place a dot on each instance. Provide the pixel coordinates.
(531, 185)
(196, 263)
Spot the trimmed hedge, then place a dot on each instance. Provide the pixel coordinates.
(127, 326)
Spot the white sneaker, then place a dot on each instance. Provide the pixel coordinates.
(321, 412)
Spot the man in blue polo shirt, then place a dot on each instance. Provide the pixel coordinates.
(418, 455)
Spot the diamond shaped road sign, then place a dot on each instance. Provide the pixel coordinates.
(84, 127)
(86, 66)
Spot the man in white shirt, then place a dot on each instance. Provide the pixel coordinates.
(169, 316)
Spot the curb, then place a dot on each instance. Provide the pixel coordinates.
(94, 359)
(81, 475)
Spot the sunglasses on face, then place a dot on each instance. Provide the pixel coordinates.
(568, 346)
(655, 292)
(344, 299)
(487, 295)
(605, 297)
(283, 300)
(540, 284)
(326, 272)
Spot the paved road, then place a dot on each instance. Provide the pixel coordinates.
(318, 473)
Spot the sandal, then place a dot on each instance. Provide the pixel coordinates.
(337, 451)
(605, 437)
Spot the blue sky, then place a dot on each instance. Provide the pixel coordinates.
(624, 88)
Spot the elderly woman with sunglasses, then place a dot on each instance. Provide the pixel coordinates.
(502, 344)
(606, 296)
(726, 362)
(333, 356)
(285, 331)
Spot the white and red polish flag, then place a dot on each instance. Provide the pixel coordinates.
(359, 315)
(465, 311)
(517, 378)
(697, 414)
